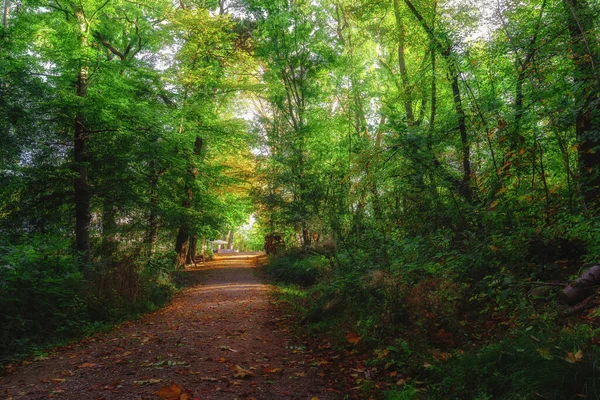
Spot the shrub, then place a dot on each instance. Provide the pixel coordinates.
(40, 294)
(300, 268)
(536, 362)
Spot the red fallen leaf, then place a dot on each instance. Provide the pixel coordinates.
(352, 337)
(172, 392)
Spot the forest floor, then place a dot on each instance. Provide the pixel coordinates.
(221, 338)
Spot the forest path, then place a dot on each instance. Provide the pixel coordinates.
(198, 342)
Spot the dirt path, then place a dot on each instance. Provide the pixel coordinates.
(199, 343)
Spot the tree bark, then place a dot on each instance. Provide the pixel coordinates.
(191, 252)
(230, 240)
(445, 49)
(582, 287)
(5, 13)
(587, 80)
(80, 154)
(410, 119)
(181, 245)
(152, 233)
(184, 229)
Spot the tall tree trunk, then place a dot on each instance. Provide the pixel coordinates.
(462, 128)
(152, 233)
(181, 245)
(81, 157)
(407, 96)
(587, 79)
(184, 228)
(191, 252)
(445, 49)
(5, 13)
(230, 240)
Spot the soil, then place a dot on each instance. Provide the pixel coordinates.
(219, 339)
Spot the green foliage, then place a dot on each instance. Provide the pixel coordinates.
(300, 268)
(537, 361)
(47, 299)
(406, 393)
(41, 294)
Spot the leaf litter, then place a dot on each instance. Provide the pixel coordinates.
(221, 339)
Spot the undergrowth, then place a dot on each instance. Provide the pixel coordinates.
(48, 299)
(449, 337)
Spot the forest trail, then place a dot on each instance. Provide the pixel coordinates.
(222, 323)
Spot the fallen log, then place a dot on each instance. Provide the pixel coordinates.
(583, 306)
(582, 287)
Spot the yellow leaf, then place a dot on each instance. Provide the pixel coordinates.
(573, 358)
(241, 373)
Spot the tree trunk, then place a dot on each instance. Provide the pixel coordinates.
(5, 13)
(152, 233)
(445, 49)
(587, 80)
(184, 231)
(81, 157)
(184, 228)
(407, 96)
(230, 240)
(462, 128)
(191, 253)
(582, 287)
(181, 245)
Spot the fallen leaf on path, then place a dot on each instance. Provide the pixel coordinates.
(147, 382)
(241, 373)
(352, 337)
(87, 365)
(58, 380)
(173, 392)
(272, 370)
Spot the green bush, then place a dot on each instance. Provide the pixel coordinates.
(534, 363)
(47, 297)
(299, 268)
(40, 294)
